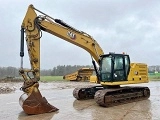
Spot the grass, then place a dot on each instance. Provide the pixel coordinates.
(51, 78)
(154, 76)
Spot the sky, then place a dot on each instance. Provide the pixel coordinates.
(130, 26)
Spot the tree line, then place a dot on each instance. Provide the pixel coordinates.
(62, 70)
(59, 70)
(154, 69)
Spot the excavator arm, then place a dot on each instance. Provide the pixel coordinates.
(33, 26)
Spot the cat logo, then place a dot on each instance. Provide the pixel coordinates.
(71, 35)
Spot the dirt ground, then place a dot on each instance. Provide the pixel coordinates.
(8, 87)
(59, 94)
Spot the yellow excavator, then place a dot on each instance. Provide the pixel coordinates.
(113, 71)
(82, 74)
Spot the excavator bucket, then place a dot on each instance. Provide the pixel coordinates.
(34, 103)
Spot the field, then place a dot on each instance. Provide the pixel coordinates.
(51, 78)
(154, 76)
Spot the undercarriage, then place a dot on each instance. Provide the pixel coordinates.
(107, 96)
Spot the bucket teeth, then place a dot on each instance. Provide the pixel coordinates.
(34, 103)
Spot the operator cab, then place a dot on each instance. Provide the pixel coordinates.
(114, 67)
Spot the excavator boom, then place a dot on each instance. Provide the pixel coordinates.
(33, 26)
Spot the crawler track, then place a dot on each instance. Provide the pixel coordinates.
(113, 97)
(108, 97)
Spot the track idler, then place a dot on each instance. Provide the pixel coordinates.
(32, 102)
(86, 92)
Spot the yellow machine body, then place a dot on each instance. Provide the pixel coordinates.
(82, 74)
(138, 74)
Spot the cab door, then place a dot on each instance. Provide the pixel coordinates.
(121, 67)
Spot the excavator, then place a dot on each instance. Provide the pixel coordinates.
(82, 74)
(114, 71)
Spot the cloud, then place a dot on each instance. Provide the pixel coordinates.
(117, 25)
